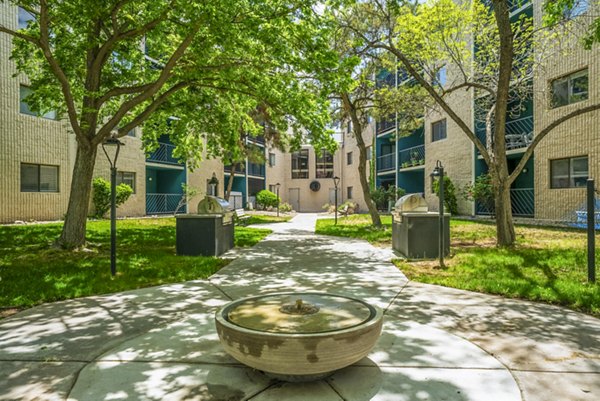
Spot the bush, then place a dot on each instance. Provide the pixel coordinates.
(266, 198)
(381, 196)
(285, 207)
(101, 196)
(481, 191)
(348, 207)
(449, 194)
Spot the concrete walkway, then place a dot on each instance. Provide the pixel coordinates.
(437, 343)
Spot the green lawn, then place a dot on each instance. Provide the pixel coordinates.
(266, 219)
(547, 264)
(33, 272)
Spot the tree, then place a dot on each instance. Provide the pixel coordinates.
(564, 11)
(363, 101)
(498, 68)
(114, 65)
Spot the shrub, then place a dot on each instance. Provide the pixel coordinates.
(348, 207)
(285, 207)
(449, 194)
(266, 198)
(381, 196)
(101, 196)
(480, 191)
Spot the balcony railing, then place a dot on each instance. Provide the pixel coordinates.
(412, 157)
(386, 162)
(513, 5)
(522, 203)
(257, 170)
(385, 125)
(164, 154)
(519, 133)
(163, 203)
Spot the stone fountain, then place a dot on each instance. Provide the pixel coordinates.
(298, 336)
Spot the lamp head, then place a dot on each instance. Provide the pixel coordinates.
(336, 181)
(437, 171)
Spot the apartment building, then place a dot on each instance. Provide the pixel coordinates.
(37, 155)
(552, 184)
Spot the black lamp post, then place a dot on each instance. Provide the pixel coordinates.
(278, 200)
(336, 181)
(438, 172)
(113, 143)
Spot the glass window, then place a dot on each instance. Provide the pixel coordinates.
(272, 159)
(324, 165)
(39, 178)
(438, 130)
(441, 76)
(24, 18)
(569, 173)
(349, 158)
(570, 89)
(126, 177)
(579, 7)
(369, 152)
(24, 92)
(131, 132)
(300, 164)
(349, 192)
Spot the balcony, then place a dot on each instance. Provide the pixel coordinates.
(522, 203)
(163, 203)
(519, 133)
(386, 162)
(164, 155)
(412, 157)
(259, 139)
(256, 170)
(385, 125)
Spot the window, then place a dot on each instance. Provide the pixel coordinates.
(39, 178)
(24, 92)
(579, 7)
(349, 192)
(441, 76)
(273, 188)
(300, 164)
(24, 18)
(324, 164)
(369, 152)
(349, 158)
(438, 130)
(271, 159)
(349, 127)
(569, 173)
(570, 89)
(125, 177)
(131, 132)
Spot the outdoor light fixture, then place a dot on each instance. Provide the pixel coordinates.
(213, 182)
(114, 145)
(278, 200)
(438, 172)
(336, 181)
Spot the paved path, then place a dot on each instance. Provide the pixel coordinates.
(437, 344)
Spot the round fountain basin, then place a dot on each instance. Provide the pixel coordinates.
(298, 336)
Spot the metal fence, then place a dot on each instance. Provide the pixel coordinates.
(163, 203)
(519, 132)
(412, 157)
(522, 203)
(386, 162)
(164, 154)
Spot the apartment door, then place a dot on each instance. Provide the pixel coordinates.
(294, 198)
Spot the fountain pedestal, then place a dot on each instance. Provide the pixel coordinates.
(298, 336)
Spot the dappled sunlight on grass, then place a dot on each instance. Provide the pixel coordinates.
(32, 271)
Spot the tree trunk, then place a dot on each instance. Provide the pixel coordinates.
(229, 182)
(366, 189)
(73, 232)
(505, 229)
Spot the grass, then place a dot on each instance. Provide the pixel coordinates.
(33, 272)
(266, 219)
(546, 264)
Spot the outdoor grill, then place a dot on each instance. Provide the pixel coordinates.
(209, 232)
(415, 229)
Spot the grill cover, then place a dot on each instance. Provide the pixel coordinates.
(212, 205)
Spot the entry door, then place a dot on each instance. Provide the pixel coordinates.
(294, 198)
(331, 196)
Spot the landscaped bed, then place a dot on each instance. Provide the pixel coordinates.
(33, 272)
(546, 264)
